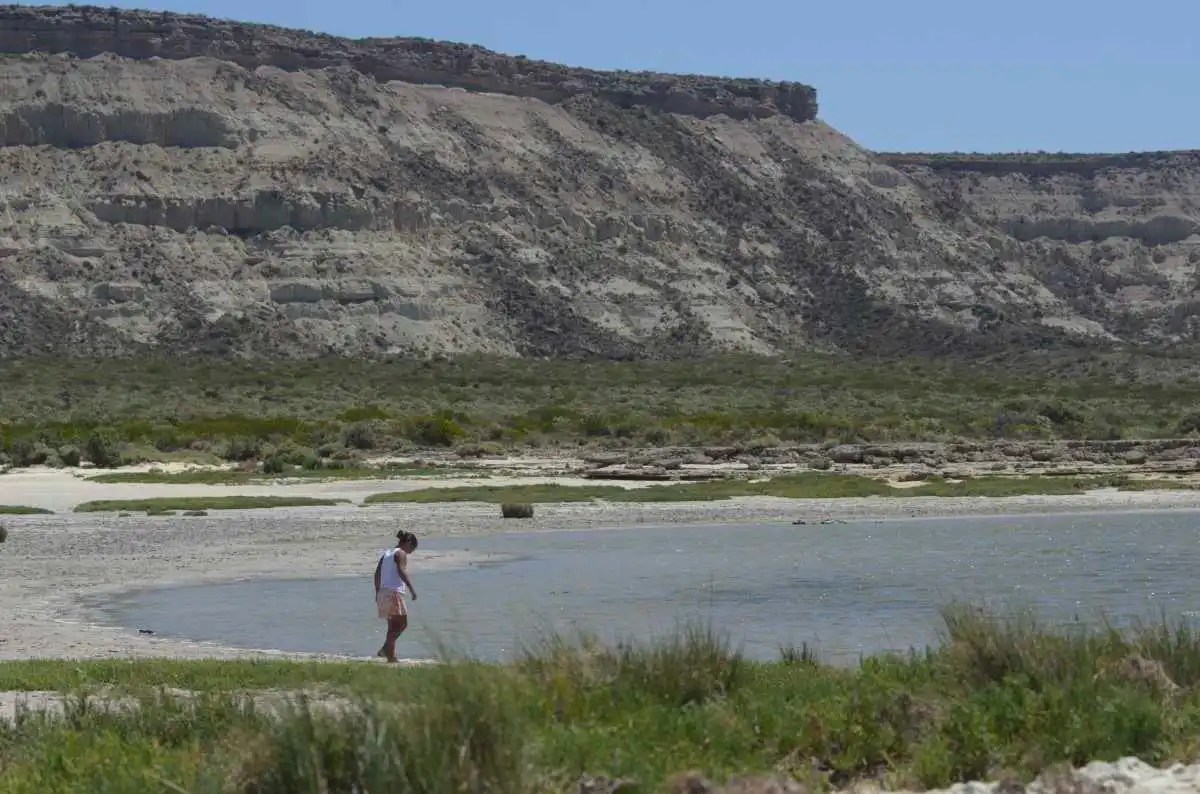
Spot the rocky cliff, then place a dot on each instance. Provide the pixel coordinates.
(1115, 237)
(189, 185)
(87, 31)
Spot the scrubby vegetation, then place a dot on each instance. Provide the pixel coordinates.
(298, 416)
(1001, 697)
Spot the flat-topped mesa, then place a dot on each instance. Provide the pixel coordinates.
(87, 31)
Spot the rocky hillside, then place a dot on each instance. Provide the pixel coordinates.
(188, 185)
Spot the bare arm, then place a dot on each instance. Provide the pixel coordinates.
(404, 574)
(378, 572)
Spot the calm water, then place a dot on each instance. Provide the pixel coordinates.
(848, 589)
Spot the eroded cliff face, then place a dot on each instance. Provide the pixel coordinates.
(1115, 237)
(180, 184)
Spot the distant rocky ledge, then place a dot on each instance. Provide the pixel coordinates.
(87, 31)
(1039, 163)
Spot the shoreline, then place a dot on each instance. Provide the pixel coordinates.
(56, 569)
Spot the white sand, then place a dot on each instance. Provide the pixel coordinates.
(54, 567)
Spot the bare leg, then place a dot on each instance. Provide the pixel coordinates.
(382, 652)
(396, 626)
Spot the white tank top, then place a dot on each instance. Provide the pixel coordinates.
(389, 577)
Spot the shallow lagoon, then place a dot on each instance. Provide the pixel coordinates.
(845, 589)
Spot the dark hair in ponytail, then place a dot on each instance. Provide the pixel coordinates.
(404, 536)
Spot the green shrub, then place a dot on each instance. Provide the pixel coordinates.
(274, 464)
(241, 448)
(101, 451)
(433, 431)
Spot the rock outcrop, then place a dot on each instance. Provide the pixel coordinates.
(182, 184)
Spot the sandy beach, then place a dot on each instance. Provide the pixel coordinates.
(55, 569)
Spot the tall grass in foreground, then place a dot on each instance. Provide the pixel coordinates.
(465, 733)
(1002, 696)
(689, 668)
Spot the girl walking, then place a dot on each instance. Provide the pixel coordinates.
(391, 586)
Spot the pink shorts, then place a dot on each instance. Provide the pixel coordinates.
(390, 604)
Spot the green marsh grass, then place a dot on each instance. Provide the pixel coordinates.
(20, 510)
(499, 494)
(1000, 486)
(238, 477)
(1000, 695)
(807, 485)
(195, 503)
(798, 486)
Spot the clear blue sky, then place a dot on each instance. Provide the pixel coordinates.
(932, 75)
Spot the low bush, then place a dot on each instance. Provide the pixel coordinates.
(360, 435)
(70, 456)
(510, 510)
